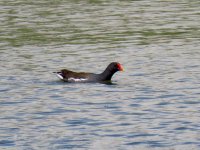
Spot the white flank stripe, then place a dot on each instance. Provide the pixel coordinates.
(77, 80)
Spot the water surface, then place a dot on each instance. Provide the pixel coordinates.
(154, 104)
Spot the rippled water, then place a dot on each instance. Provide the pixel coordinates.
(154, 104)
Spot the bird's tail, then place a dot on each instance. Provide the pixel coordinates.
(59, 75)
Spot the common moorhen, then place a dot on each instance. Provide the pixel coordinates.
(106, 75)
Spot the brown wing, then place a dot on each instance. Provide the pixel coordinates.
(71, 74)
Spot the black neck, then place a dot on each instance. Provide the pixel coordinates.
(108, 73)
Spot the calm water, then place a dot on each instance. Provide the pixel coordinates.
(154, 104)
